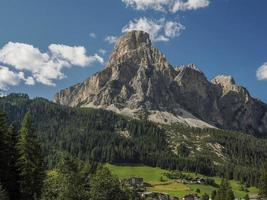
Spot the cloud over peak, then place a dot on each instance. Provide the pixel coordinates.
(167, 5)
(160, 30)
(43, 68)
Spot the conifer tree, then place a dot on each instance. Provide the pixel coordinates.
(106, 187)
(246, 197)
(3, 194)
(263, 182)
(213, 194)
(8, 158)
(30, 162)
(205, 196)
(3, 150)
(13, 172)
(224, 192)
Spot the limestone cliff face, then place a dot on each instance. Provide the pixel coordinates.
(138, 78)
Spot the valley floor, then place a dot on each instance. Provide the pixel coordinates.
(160, 183)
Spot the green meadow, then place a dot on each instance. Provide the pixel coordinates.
(160, 183)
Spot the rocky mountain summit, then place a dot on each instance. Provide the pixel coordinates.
(139, 82)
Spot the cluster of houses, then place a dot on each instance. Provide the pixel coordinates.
(138, 185)
(134, 183)
(163, 196)
(157, 196)
(192, 181)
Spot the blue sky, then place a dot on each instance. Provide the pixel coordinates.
(219, 36)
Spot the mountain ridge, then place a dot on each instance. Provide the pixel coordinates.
(138, 80)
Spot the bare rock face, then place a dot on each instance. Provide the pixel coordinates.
(136, 75)
(238, 109)
(138, 78)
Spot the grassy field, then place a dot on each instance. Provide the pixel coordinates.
(149, 174)
(154, 176)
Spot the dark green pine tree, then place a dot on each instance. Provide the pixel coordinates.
(213, 194)
(263, 182)
(230, 194)
(3, 150)
(8, 158)
(106, 187)
(3, 194)
(246, 197)
(205, 197)
(13, 171)
(224, 192)
(30, 162)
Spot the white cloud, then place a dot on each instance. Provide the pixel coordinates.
(111, 39)
(262, 72)
(29, 80)
(22, 56)
(74, 55)
(167, 5)
(9, 78)
(92, 35)
(45, 67)
(12, 78)
(173, 29)
(189, 5)
(158, 5)
(159, 30)
(102, 51)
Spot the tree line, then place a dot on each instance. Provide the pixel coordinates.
(22, 166)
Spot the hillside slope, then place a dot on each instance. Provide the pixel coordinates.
(103, 136)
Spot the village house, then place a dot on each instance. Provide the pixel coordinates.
(191, 197)
(191, 181)
(156, 196)
(133, 182)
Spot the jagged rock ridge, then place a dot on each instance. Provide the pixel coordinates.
(138, 81)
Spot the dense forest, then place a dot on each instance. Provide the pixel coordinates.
(91, 135)
(23, 175)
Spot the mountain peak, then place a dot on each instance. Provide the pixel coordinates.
(133, 40)
(189, 66)
(138, 78)
(223, 80)
(133, 44)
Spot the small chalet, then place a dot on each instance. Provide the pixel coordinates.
(133, 182)
(156, 196)
(191, 197)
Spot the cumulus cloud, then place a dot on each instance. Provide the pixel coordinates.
(44, 67)
(158, 5)
(167, 5)
(159, 30)
(111, 39)
(189, 5)
(74, 55)
(9, 78)
(262, 72)
(29, 80)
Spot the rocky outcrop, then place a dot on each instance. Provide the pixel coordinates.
(138, 81)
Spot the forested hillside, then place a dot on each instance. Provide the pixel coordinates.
(103, 136)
